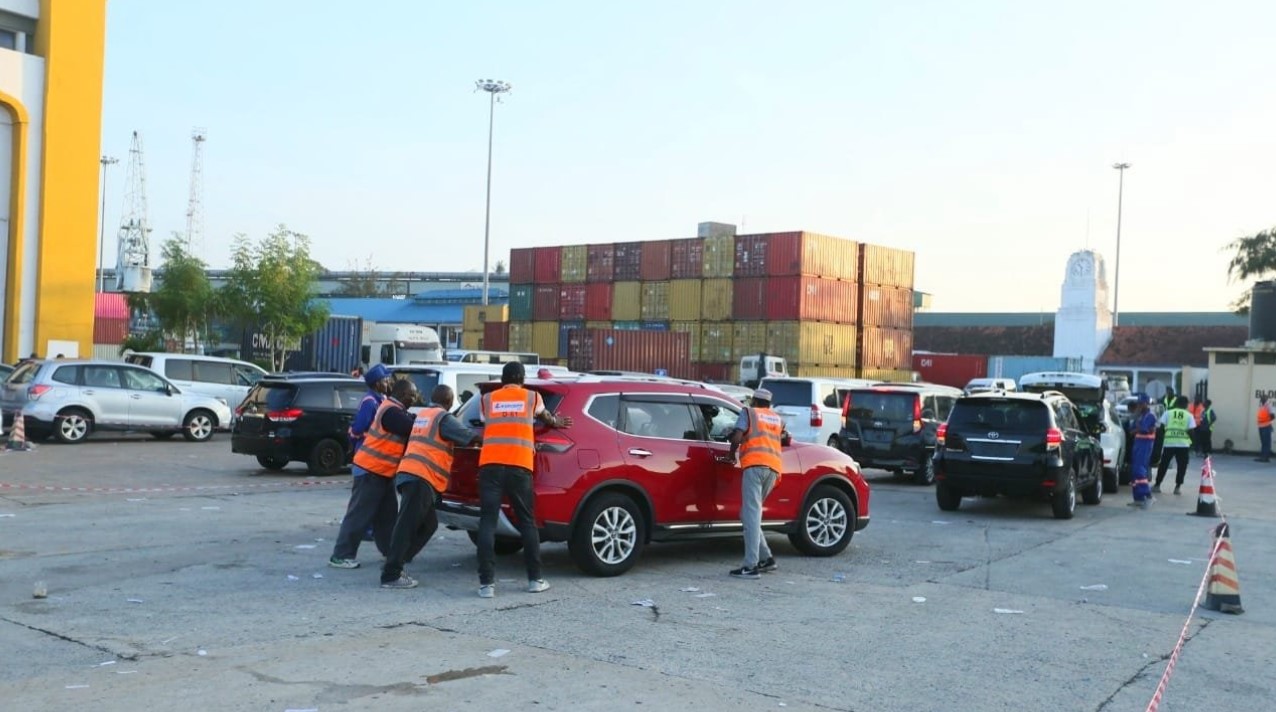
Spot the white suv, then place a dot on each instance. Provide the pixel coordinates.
(223, 378)
(811, 407)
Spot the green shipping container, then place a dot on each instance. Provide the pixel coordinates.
(575, 263)
(719, 256)
(684, 300)
(747, 338)
(655, 301)
(692, 328)
(521, 336)
(715, 343)
(626, 301)
(520, 303)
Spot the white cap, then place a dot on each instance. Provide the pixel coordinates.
(762, 394)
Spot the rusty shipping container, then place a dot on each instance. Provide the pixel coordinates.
(565, 329)
(628, 261)
(692, 329)
(656, 256)
(808, 298)
(572, 301)
(545, 338)
(684, 299)
(749, 298)
(626, 301)
(522, 265)
(892, 375)
(496, 336)
(715, 342)
(719, 256)
(799, 253)
(687, 259)
(598, 301)
(717, 299)
(883, 348)
(886, 306)
(655, 301)
(822, 371)
(747, 338)
(520, 337)
(474, 316)
(751, 255)
(603, 324)
(521, 302)
(575, 263)
(886, 266)
(471, 341)
(545, 302)
(549, 264)
(713, 372)
(602, 260)
(954, 370)
(810, 342)
(643, 351)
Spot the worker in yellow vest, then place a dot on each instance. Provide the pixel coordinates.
(757, 438)
(423, 475)
(1179, 424)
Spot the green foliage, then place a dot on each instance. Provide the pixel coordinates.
(1254, 256)
(269, 286)
(500, 267)
(183, 301)
(149, 341)
(362, 283)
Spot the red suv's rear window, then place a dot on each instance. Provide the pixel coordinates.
(469, 413)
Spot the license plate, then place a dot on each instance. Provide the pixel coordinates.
(878, 436)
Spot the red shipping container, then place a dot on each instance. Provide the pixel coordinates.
(572, 301)
(713, 372)
(796, 253)
(886, 306)
(808, 298)
(545, 302)
(602, 260)
(954, 370)
(749, 298)
(549, 264)
(879, 347)
(496, 336)
(751, 255)
(656, 255)
(598, 302)
(623, 350)
(686, 259)
(522, 266)
(886, 265)
(628, 261)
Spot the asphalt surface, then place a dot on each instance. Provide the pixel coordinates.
(181, 576)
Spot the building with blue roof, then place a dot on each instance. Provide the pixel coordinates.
(442, 309)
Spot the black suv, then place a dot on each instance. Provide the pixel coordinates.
(1019, 445)
(892, 426)
(285, 419)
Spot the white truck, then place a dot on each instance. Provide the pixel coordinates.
(401, 344)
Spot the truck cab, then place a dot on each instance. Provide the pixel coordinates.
(401, 344)
(776, 367)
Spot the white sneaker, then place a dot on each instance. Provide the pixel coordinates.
(488, 591)
(537, 585)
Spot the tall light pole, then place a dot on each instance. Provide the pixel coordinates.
(101, 235)
(1116, 282)
(493, 87)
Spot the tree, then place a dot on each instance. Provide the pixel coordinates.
(500, 267)
(269, 287)
(1254, 256)
(184, 301)
(363, 282)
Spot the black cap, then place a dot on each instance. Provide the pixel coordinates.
(513, 372)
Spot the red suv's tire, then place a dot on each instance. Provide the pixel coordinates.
(826, 523)
(608, 536)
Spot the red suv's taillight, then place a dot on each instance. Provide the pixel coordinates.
(287, 415)
(1054, 438)
(942, 433)
(846, 406)
(34, 392)
(817, 417)
(917, 414)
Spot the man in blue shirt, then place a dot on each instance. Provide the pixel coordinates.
(379, 381)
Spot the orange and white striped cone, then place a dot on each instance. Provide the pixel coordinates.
(1206, 502)
(18, 434)
(1224, 592)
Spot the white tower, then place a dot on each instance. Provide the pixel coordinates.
(1083, 325)
(195, 204)
(133, 254)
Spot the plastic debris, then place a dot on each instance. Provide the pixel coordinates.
(210, 509)
(319, 539)
(304, 546)
(690, 589)
(839, 578)
(7, 514)
(76, 687)
(137, 499)
(920, 561)
(1006, 610)
(293, 578)
(318, 576)
(646, 602)
(939, 521)
(125, 672)
(1095, 587)
(705, 595)
(498, 653)
(201, 653)
(308, 709)
(108, 662)
(1180, 561)
(133, 600)
(919, 599)
(169, 640)
(40, 590)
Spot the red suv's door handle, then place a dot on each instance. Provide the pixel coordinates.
(725, 459)
(639, 452)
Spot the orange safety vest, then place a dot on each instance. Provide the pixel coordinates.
(380, 451)
(761, 446)
(428, 456)
(509, 414)
(1264, 416)
(1196, 409)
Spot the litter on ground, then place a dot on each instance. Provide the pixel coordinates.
(646, 602)
(1005, 610)
(690, 589)
(919, 599)
(293, 578)
(1095, 587)
(705, 595)
(134, 600)
(304, 546)
(839, 578)
(1180, 561)
(498, 653)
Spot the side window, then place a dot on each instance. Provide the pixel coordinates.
(654, 419)
(1064, 415)
(467, 385)
(350, 398)
(213, 372)
(828, 396)
(178, 369)
(606, 409)
(387, 353)
(318, 395)
(67, 374)
(140, 380)
(102, 377)
(719, 420)
(245, 376)
(928, 408)
(945, 404)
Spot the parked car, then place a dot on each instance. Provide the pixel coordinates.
(69, 399)
(1019, 445)
(811, 407)
(306, 420)
(981, 385)
(1089, 394)
(224, 378)
(647, 461)
(892, 426)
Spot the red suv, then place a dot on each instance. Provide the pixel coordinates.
(647, 461)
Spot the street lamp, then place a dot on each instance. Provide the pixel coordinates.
(493, 87)
(101, 236)
(1116, 282)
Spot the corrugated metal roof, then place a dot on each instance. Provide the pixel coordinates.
(1034, 319)
(1031, 340)
(496, 295)
(1174, 346)
(110, 305)
(396, 311)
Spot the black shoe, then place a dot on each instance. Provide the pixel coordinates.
(768, 565)
(746, 572)
(1178, 489)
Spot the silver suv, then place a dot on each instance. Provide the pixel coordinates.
(69, 399)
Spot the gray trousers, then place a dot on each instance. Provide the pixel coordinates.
(756, 484)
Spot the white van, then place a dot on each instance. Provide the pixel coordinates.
(226, 379)
(1089, 394)
(983, 385)
(462, 378)
(775, 367)
(811, 407)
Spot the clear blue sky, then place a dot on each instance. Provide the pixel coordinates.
(979, 134)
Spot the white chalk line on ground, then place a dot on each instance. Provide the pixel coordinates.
(144, 490)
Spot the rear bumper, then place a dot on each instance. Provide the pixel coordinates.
(1012, 479)
(458, 515)
(861, 523)
(907, 452)
(258, 445)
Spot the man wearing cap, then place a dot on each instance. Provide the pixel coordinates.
(506, 460)
(757, 438)
(1145, 426)
(378, 380)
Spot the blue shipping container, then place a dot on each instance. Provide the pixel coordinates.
(627, 325)
(1016, 366)
(654, 326)
(564, 332)
(335, 348)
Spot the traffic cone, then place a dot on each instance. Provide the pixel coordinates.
(1224, 592)
(18, 434)
(1206, 504)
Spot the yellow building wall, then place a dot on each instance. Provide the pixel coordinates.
(17, 228)
(71, 36)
